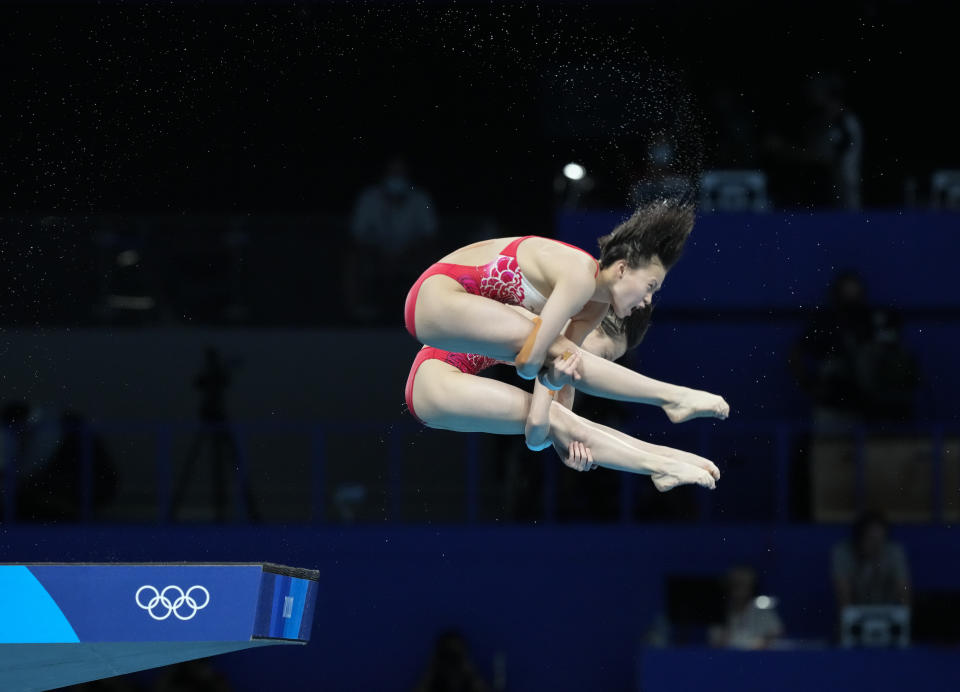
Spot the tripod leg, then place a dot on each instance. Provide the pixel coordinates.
(219, 476)
(243, 478)
(184, 480)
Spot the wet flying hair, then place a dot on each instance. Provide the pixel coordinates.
(634, 327)
(659, 229)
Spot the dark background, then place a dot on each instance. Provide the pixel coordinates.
(184, 107)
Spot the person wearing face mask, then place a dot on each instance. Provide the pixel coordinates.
(819, 163)
(394, 215)
(461, 304)
(393, 225)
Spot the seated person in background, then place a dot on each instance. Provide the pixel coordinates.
(869, 569)
(852, 361)
(451, 668)
(748, 625)
(54, 490)
(824, 358)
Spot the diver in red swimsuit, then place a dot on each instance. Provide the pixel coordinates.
(500, 280)
(461, 304)
(444, 391)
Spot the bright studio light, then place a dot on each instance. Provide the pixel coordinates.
(765, 602)
(574, 171)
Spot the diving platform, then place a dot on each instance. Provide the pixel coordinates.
(63, 624)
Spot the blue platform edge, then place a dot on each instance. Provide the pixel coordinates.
(52, 604)
(286, 607)
(30, 615)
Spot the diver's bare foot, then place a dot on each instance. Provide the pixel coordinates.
(702, 463)
(696, 404)
(682, 473)
(688, 458)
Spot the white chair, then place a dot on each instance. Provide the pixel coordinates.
(945, 190)
(734, 190)
(875, 625)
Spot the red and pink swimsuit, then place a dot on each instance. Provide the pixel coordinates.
(500, 280)
(469, 363)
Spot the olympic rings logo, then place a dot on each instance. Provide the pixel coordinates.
(181, 601)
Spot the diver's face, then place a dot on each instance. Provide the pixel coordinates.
(599, 343)
(634, 288)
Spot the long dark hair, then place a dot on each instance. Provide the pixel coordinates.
(634, 327)
(659, 229)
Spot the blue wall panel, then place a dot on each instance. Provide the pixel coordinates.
(781, 265)
(799, 671)
(567, 606)
(786, 260)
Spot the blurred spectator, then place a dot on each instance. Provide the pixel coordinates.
(752, 622)
(393, 227)
(869, 568)
(836, 139)
(450, 668)
(852, 362)
(192, 676)
(887, 372)
(13, 439)
(736, 122)
(49, 450)
(54, 492)
(822, 159)
(661, 180)
(30, 436)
